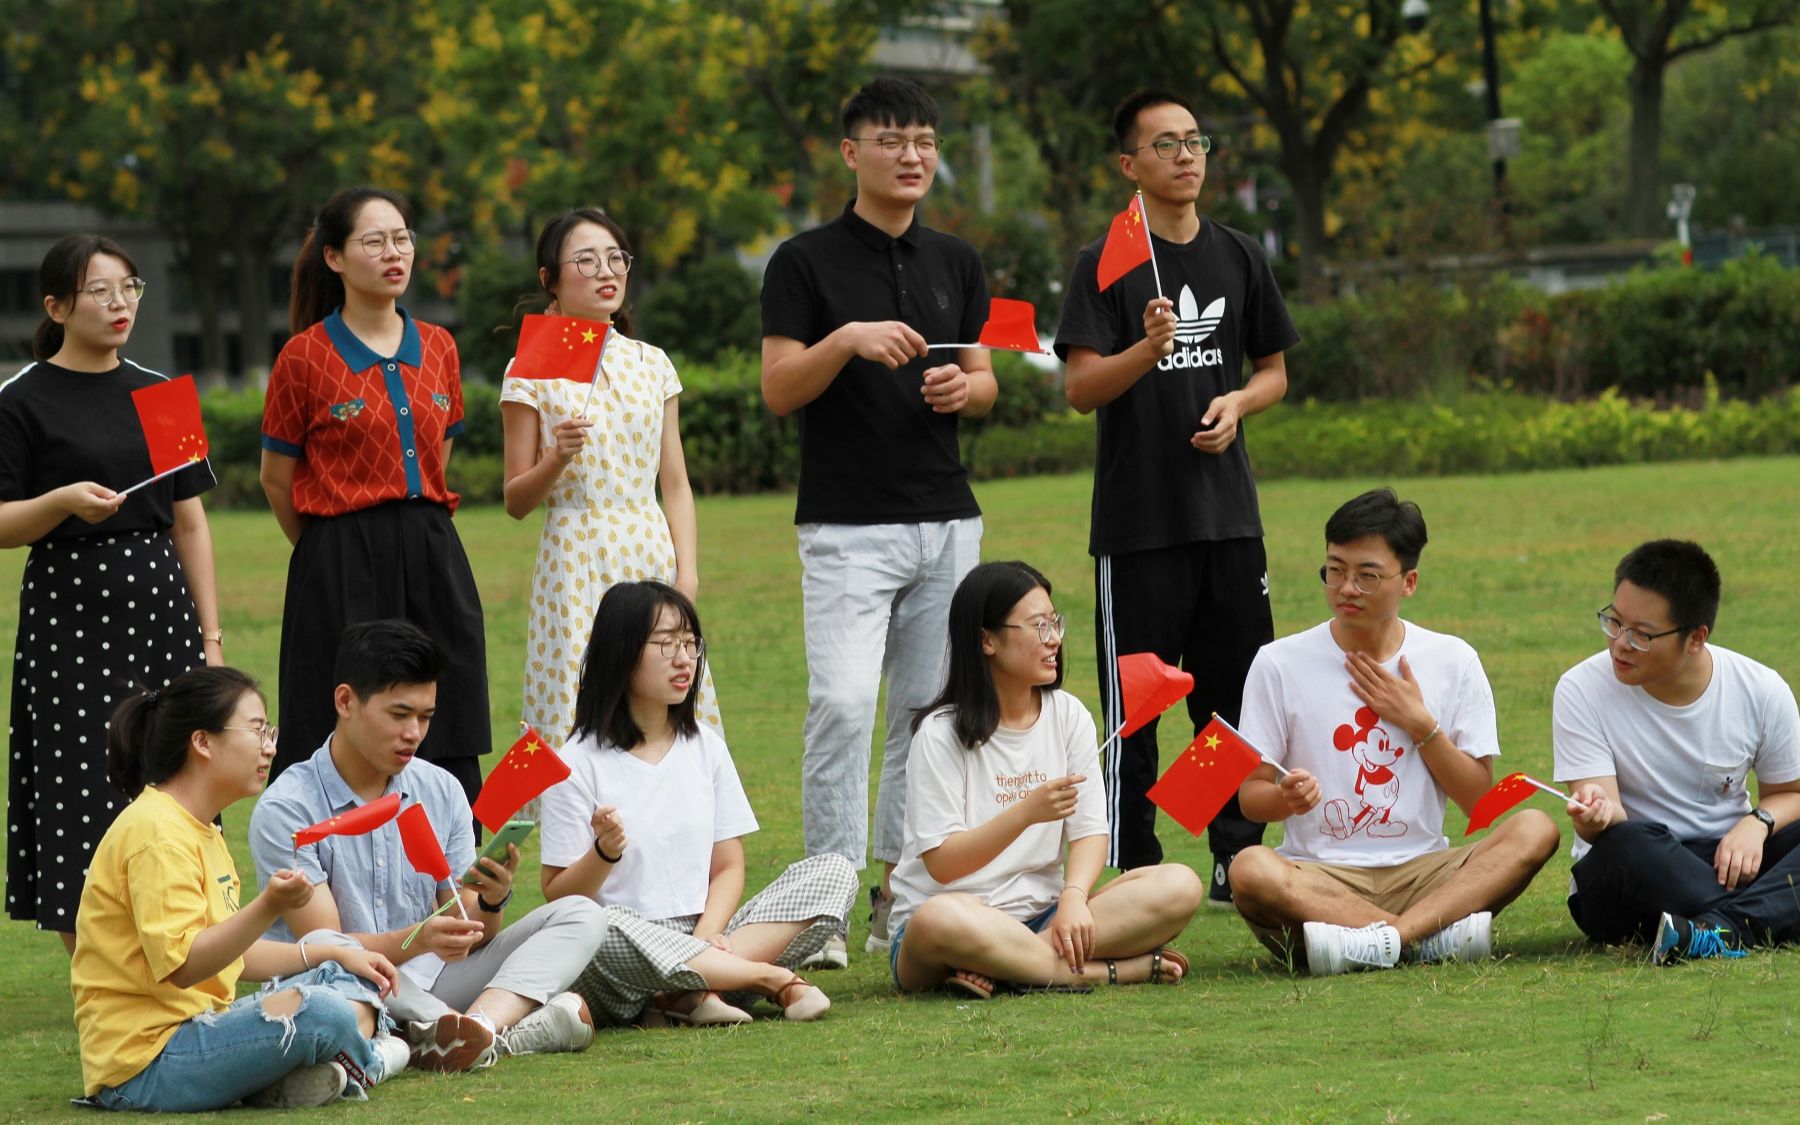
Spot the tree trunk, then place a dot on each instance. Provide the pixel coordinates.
(1644, 210)
(204, 276)
(253, 310)
(1308, 185)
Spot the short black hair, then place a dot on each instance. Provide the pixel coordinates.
(1125, 117)
(889, 101)
(1380, 512)
(1681, 571)
(374, 656)
(622, 626)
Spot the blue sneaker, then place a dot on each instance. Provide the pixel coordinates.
(1678, 939)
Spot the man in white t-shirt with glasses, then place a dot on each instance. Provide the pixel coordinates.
(1379, 723)
(1657, 738)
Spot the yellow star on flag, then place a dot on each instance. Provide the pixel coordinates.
(1212, 742)
(587, 336)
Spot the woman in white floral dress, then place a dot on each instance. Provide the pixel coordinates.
(596, 470)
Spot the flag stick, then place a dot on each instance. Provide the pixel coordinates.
(1022, 351)
(1149, 242)
(1553, 791)
(598, 362)
(157, 477)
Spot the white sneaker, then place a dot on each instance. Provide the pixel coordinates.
(311, 1085)
(835, 954)
(879, 910)
(453, 1042)
(394, 1053)
(1331, 950)
(561, 1024)
(1466, 939)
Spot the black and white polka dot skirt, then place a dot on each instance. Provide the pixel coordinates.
(95, 616)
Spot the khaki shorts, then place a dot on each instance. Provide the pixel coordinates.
(1392, 889)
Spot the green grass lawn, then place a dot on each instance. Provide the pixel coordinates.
(1551, 1030)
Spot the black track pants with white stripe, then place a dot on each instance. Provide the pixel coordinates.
(1205, 607)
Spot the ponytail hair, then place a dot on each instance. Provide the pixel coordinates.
(317, 288)
(61, 275)
(984, 598)
(147, 741)
(550, 253)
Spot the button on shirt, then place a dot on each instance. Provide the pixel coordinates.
(871, 449)
(376, 889)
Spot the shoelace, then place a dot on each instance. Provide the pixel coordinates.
(1711, 943)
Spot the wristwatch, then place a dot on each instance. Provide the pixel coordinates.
(493, 907)
(1767, 818)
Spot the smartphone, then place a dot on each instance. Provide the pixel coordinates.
(514, 832)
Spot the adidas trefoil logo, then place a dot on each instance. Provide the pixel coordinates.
(1192, 327)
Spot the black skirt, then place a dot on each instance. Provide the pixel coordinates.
(401, 559)
(95, 617)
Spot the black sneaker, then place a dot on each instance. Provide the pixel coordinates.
(1218, 895)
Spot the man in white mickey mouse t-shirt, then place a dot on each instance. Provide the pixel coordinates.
(1377, 721)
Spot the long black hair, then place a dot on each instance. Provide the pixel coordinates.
(550, 252)
(61, 276)
(981, 603)
(622, 627)
(148, 739)
(317, 288)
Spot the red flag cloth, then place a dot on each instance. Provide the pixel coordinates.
(1127, 244)
(420, 840)
(528, 769)
(353, 823)
(1149, 688)
(558, 347)
(1506, 793)
(1011, 325)
(170, 414)
(1206, 775)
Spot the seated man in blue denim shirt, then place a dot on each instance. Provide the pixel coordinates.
(470, 990)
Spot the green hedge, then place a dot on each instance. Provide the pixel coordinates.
(735, 445)
(1654, 333)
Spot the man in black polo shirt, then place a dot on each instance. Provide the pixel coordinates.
(887, 523)
(1176, 536)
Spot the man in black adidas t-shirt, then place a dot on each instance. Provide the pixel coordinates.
(1176, 535)
(887, 523)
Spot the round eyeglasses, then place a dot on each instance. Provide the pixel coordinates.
(1048, 628)
(1367, 582)
(1636, 638)
(105, 293)
(266, 732)
(588, 262)
(691, 647)
(374, 243)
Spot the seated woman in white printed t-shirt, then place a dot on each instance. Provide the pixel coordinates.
(652, 819)
(1002, 775)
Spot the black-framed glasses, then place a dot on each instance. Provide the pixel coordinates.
(691, 647)
(375, 242)
(105, 293)
(1048, 629)
(893, 144)
(267, 732)
(588, 262)
(1636, 638)
(1367, 581)
(1166, 147)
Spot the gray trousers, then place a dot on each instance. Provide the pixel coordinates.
(876, 599)
(536, 957)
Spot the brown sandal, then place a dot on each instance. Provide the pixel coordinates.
(1173, 957)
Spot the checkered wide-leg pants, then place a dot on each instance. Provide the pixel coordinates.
(640, 957)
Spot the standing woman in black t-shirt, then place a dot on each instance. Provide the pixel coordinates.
(118, 589)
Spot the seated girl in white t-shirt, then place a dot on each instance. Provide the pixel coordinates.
(652, 817)
(1004, 773)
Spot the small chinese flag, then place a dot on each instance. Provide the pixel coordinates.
(1011, 325)
(1506, 793)
(1149, 688)
(421, 843)
(1127, 244)
(558, 347)
(169, 411)
(357, 821)
(526, 770)
(1205, 776)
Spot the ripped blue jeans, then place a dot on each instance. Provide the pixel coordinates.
(217, 1058)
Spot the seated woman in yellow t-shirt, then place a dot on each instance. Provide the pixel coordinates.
(160, 939)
